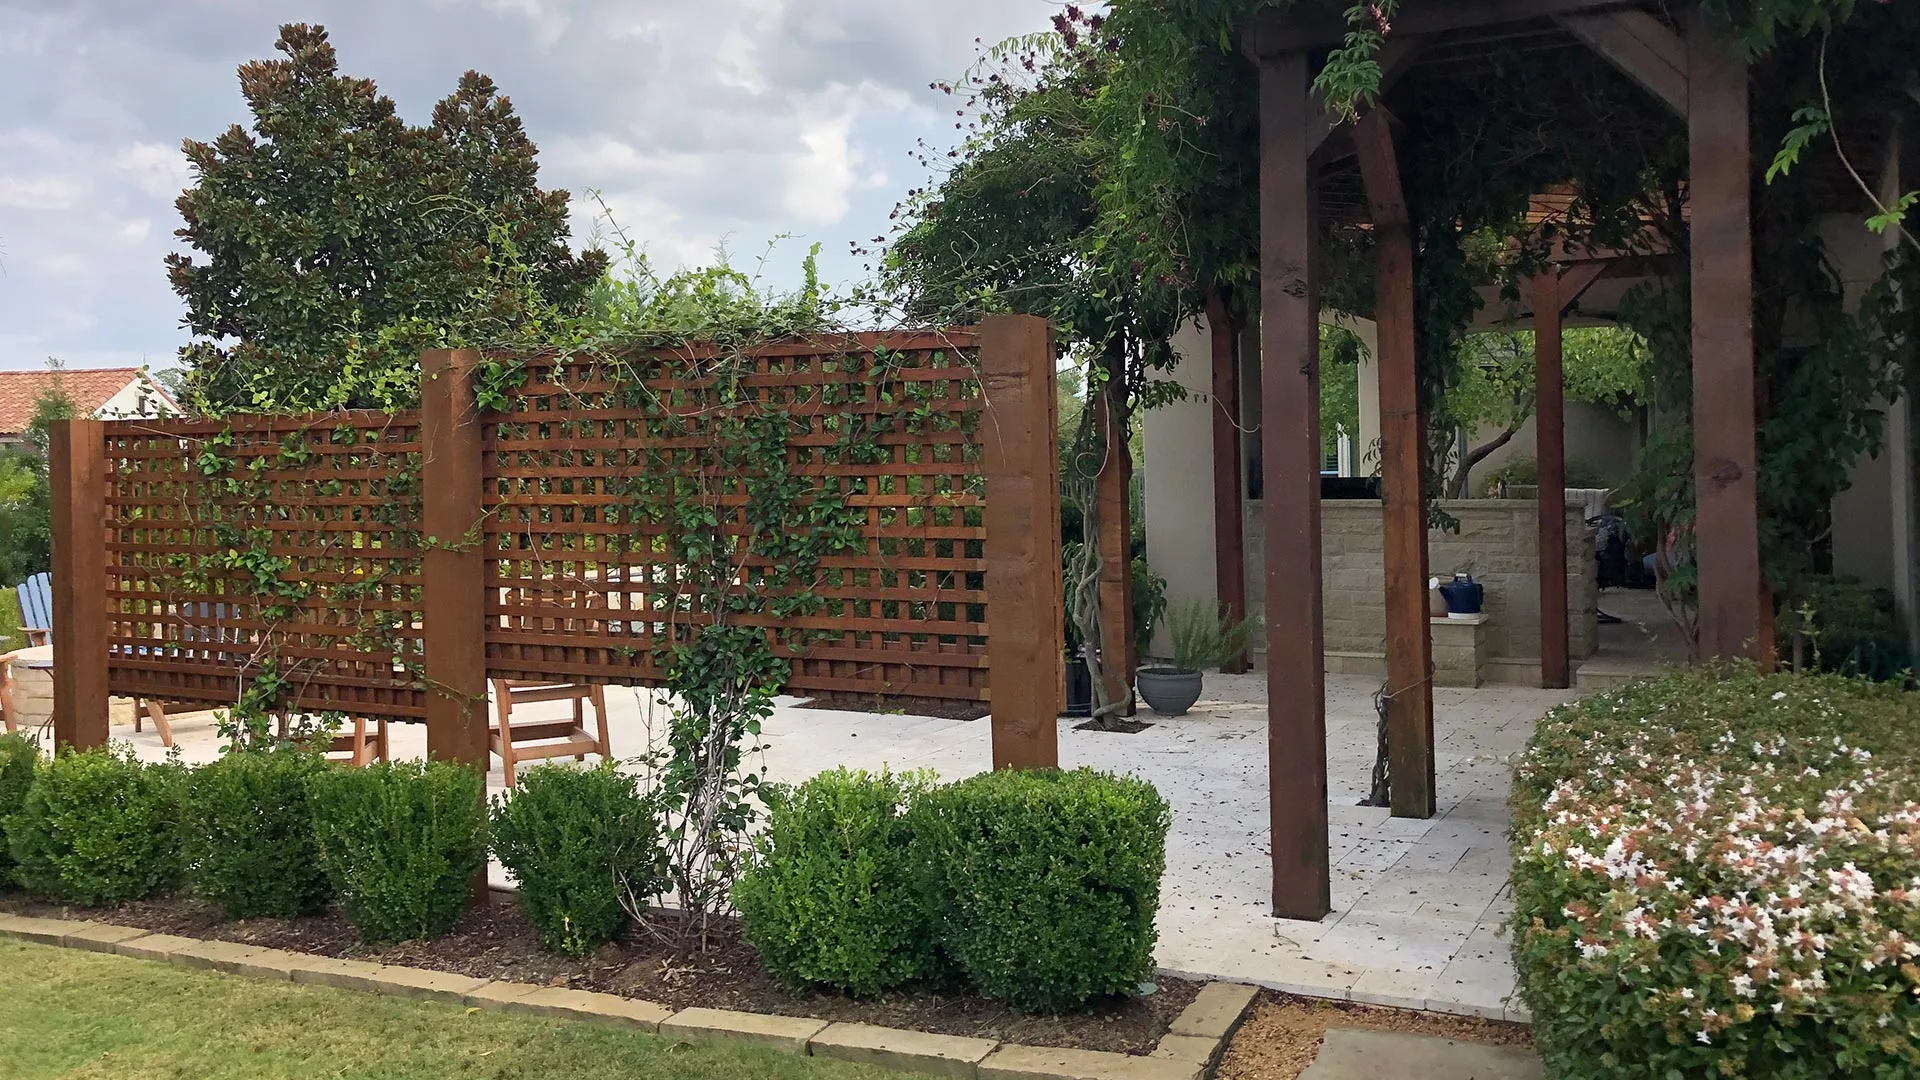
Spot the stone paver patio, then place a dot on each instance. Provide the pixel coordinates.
(1418, 905)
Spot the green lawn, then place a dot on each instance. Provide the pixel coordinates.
(65, 1014)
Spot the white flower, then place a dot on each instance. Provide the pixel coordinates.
(1778, 695)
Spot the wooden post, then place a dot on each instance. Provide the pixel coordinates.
(77, 468)
(1229, 541)
(1026, 639)
(453, 570)
(1727, 523)
(1113, 516)
(1290, 396)
(1403, 465)
(1550, 431)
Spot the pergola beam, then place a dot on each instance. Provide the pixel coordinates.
(1642, 47)
(1395, 59)
(1290, 396)
(1550, 454)
(1324, 24)
(1229, 508)
(1411, 770)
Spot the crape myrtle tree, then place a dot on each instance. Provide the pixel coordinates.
(332, 241)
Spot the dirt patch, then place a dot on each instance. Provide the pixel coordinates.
(1282, 1035)
(496, 942)
(1118, 727)
(944, 708)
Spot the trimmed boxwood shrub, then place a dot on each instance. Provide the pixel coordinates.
(18, 756)
(98, 827)
(1046, 883)
(834, 897)
(1718, 875)
(248, 834)
(402, 843)
(578, 841)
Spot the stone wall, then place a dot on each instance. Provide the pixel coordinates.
(1498, 542)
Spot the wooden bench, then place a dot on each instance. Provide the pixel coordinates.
(531, 740)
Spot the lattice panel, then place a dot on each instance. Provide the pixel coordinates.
(290, 543)
(588, 572)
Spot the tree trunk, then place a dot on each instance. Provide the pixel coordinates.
(1463, 474)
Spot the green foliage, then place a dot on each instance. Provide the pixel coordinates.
(402, 843)
(1149, 597)
(577, 841)
(1714, 876)
(98, 827)
(1341, 352)
(335, 241)
(1840, 624)
(18, 757)
(1525, 472)
(1046, 883)
(835, 897)
(1204, 638)
(248, 834)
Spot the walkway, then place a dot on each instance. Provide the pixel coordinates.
(1418, 905)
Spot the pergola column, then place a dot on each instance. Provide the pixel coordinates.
(1550, 430)
(1410, 765)
(1290, 417)
(1229, 541)
(1727, 523)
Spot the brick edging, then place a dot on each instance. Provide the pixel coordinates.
(1190, 1050)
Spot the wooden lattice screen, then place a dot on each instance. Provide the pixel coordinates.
(389, 565)
(582, 580)
(195, 600)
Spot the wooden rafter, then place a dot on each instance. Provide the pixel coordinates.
(1324, 24)
(1645, 49)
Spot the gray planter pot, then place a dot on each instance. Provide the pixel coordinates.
(1168, 691)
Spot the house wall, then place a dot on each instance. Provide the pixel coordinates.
(136, 401)
(1179, 480)
(1498, 542)
(1597, 437)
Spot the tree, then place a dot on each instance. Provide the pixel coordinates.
(1602, 365)
(336, 241)
(26, 498)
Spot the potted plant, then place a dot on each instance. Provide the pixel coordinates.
(1202, 638)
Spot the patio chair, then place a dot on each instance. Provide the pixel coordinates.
(543, 739)
(36, 608)
(362, 743)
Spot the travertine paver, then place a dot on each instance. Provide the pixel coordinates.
(1015, 1062)
(565, 1003)
(154, 946)
(890, 1048)
(787, 1033)
(396, 981)
(1352, 1054)
(343, 974)
(1416, 919)
(1215, 1012)
(100, 937)
(41, 931)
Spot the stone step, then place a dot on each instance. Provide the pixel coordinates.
(1354, 1054)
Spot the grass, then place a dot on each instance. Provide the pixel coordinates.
(76, 1015)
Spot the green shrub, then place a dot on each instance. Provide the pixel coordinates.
(248, 835)
(578, 841)
(18, 756)
(402, 843)
(1046, 883)
(1718, 875)
(834, 898)
(98, 827)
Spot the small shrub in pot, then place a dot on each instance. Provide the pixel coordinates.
(578, 842)
(1046, 883)
(402, 843)
(834, 897)
(1202, 639)
(248, 835)
(98, 827)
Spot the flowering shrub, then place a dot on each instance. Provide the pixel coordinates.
(1718, 875)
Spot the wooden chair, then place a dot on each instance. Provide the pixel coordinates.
(9, 717)
(362, 743)
(542, 739)
(36, 608)
(158, 711)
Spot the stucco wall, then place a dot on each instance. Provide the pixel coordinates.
(1179, 481)
(1498, 542)
(1597, 437)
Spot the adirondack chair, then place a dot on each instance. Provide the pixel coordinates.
(541, 739)
(36, 608)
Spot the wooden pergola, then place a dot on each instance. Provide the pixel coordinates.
(1687, 68)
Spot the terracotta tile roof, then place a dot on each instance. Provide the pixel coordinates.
(90, 389)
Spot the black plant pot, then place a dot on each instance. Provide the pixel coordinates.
(1079, 687)
(1168, 691)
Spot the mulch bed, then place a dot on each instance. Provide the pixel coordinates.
(943, 708)
(1282, 1033)
(496, 942)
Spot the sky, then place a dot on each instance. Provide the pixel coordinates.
(700, 122)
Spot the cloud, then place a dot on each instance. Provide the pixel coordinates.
(700, 122)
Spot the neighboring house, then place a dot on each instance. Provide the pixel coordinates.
(101, 393)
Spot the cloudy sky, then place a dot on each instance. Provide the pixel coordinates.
(700, 122)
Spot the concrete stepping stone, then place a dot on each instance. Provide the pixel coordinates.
(1353, 1054)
